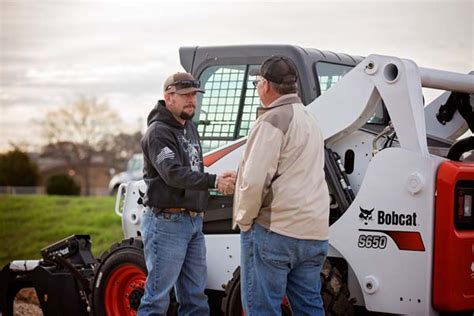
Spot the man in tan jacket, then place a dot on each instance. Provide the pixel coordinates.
(281, 201)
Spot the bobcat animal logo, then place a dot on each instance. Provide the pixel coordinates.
(365, 215)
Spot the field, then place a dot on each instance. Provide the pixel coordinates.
(30, 223)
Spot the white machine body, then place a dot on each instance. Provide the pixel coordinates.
(390, 251)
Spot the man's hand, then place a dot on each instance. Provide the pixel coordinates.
(226, 182)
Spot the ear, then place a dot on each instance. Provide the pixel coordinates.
(168, 98)
(266, 86)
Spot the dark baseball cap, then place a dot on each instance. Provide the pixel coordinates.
(181, 83)
(278, 69)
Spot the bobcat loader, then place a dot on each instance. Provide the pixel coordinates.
(400, 175)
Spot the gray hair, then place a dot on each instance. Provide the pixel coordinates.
(284, 88)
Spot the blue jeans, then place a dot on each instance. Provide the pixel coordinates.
(175, 254)
(272, 264)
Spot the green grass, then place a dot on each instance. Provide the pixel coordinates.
(30, 223)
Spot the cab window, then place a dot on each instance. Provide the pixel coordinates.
(227, 110)
(329, 74)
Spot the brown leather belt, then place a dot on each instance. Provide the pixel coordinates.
(176, 210)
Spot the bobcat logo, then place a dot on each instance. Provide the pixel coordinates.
(365, 215)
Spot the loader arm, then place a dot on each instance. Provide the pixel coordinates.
(348, 105)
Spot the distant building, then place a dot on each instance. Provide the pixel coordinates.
(99, 173)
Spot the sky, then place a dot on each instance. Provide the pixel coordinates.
(52, 52)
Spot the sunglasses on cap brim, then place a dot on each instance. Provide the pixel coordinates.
(184, 84)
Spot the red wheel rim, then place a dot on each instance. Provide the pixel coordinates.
(124, 287)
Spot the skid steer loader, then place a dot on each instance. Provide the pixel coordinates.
(400, 175)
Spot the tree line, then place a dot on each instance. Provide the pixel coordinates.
(76, 134)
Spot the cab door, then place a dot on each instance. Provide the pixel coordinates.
(227, 110)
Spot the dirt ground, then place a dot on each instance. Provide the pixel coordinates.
(26, 304)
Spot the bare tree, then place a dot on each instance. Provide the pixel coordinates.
(118, 149)
(77, 132)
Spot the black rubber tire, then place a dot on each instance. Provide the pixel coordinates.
(334, 292)
(127, 252)
(460, 147)
(232, 304)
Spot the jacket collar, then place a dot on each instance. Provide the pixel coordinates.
(283, 100)
(162, 114)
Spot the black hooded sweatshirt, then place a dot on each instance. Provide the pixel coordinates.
(173, 167)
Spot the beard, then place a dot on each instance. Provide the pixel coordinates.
(186, 116)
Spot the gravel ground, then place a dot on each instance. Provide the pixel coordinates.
(26, 304)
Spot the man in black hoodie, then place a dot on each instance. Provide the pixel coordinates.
(175, 199)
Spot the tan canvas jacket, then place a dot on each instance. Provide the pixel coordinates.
(280, 183)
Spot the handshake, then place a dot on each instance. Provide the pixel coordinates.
(226, 182)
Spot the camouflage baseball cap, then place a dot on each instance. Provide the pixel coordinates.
(278, 69)
(181, 83)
